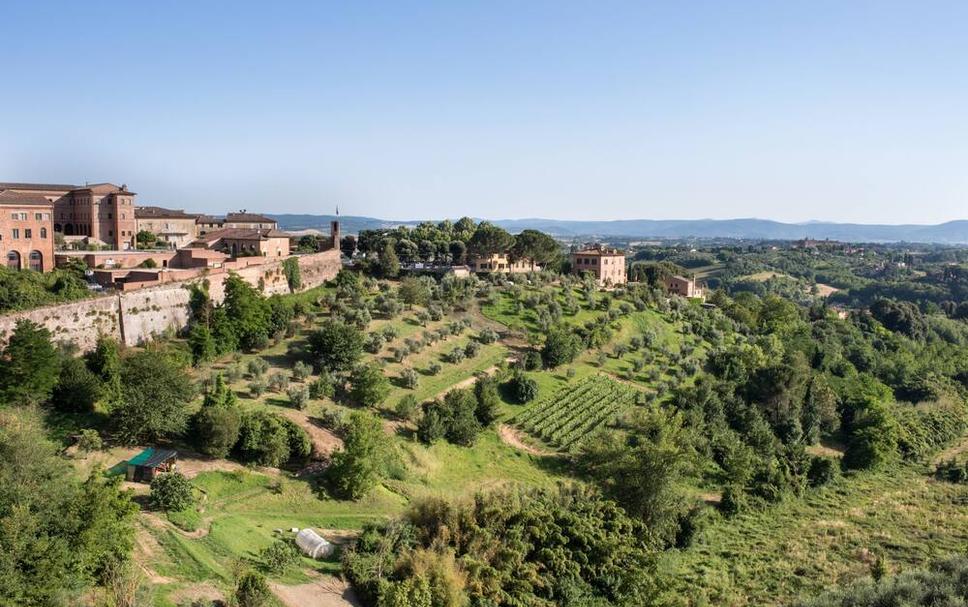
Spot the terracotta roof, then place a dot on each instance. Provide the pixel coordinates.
(104, 188)
(208, 219)
(248, 218)
(598, 251)
(37, 186)
(161, 213)
(23, 199)
(240, 234)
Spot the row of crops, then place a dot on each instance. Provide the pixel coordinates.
(568, 416)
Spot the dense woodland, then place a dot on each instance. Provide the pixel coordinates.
(645, 427)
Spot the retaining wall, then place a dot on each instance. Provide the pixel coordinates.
(135, 317)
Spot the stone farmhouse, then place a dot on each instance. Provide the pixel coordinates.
(501, 263)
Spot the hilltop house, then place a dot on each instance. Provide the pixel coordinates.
(500, 262)
(26, 231)
(684, 287)
(240, 242)
(605, 264)
(238, 220)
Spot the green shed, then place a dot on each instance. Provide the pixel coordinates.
(144, 466)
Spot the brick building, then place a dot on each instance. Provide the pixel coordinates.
(103, 211)
(606, 265)
(26, 231)
(240, 242)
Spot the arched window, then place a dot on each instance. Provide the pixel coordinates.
(43, 232)
(37, 261)
(13, 260)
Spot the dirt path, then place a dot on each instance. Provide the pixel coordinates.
(512, 437)
(146, 550)
(159, 523)
(324, 441)
(327, 591)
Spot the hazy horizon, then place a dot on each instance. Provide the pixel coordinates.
(820, 111)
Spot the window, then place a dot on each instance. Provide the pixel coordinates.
(28, 233)
(16, 233)
(43, 232)
(38, 216)
(109, 216)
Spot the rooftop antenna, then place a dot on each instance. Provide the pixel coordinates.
(337, 210)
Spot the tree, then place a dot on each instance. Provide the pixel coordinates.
(489, 239)
(263, 439)
(145, 239)
(524, 388)
(59, 536)
(29, 365)
(389, 264)
(357, 467)
(561, 347)
(171, 492)
(488, 399)
(407, 407)
(77, 389)
(105, 362)
(348, 245)
(643, 467)
(537, 247)
(216, 425)
(154, 401)
(201, 343)
(458, 251)
(873, 438)
(223, 332)
(248, 312)
(460, 408)
(252, 590)
(415, 290)
(336, 346)
(290, 268)
(368, 385)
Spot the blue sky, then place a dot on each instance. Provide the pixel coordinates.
(829, 110)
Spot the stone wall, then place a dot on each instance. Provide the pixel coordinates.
(135, 317)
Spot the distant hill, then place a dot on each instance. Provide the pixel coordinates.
(952, 232)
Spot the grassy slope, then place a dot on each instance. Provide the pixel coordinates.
(831, 535)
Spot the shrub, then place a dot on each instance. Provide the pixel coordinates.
(89, 440)
(407, 407)
(263, 439)
(524, 388)
(733, 501)
(298, 397)
(257, 388)
(300, 371)
(252, 590)
(279, 556)
(434, 368)
(487, 336)
(409, 378)
(472, 349)
(456, 356)
(257, 367)
(323, 387)
(368, 385)
(278, 381)
(171, 491)
(532, 361)
(822, 471)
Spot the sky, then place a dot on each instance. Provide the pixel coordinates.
(817, 110)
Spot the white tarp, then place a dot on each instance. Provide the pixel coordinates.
(313, 545)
